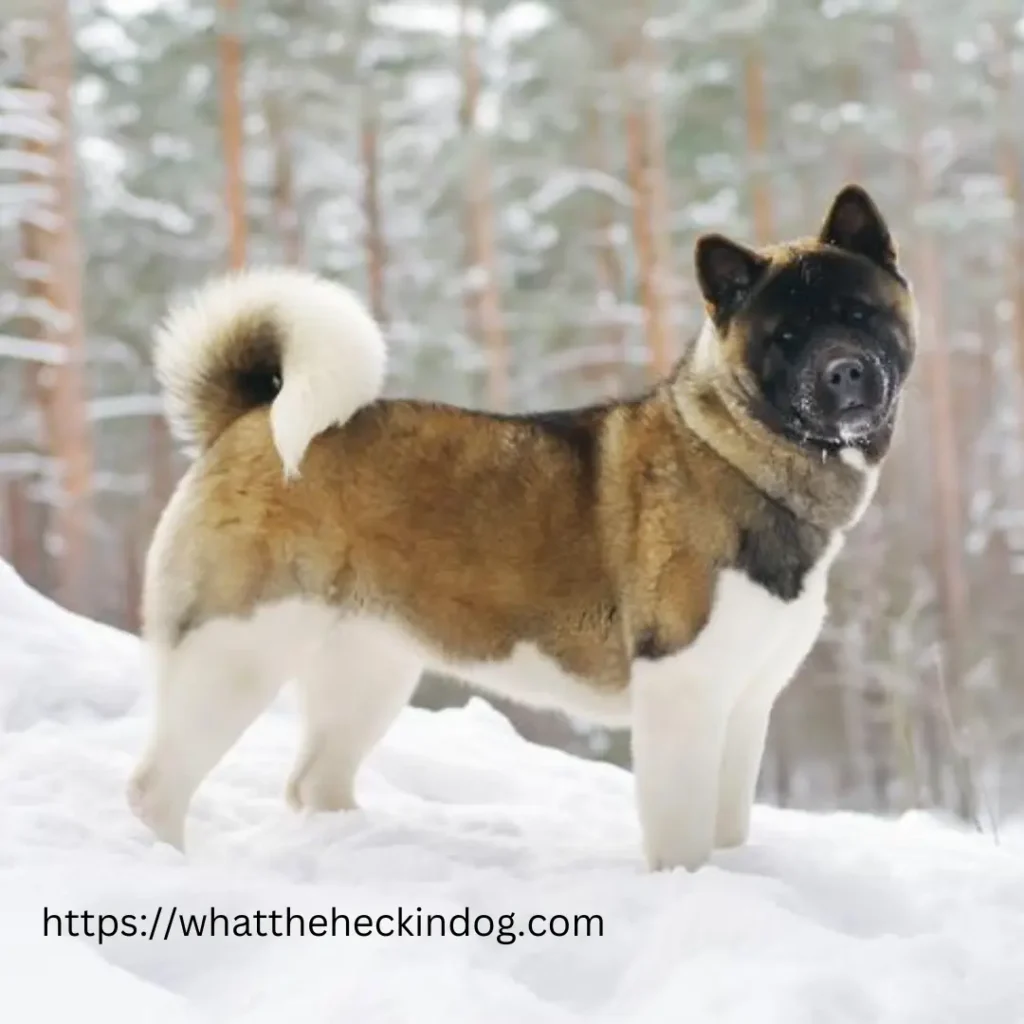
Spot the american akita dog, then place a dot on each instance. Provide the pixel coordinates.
(659, 563)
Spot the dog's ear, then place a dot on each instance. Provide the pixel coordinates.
(726, 273)
(855, 224)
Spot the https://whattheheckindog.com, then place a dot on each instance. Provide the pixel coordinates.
(167, 923)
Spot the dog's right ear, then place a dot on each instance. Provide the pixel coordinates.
(726, 273)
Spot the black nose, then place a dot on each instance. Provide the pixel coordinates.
(845, 377)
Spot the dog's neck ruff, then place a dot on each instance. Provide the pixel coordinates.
(828, 489)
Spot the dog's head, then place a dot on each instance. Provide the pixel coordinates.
(814, 339)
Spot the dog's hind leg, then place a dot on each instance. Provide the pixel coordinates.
(351, 693)
(209, 688)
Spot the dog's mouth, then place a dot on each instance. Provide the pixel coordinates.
(855, 428)
(857, 425)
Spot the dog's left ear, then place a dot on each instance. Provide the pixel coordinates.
(854, 223)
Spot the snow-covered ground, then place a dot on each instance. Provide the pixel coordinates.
(821, 919)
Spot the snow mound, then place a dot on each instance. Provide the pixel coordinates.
(820, 919)
(55, 665)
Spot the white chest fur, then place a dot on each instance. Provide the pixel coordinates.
(748, 631)
(700, 719)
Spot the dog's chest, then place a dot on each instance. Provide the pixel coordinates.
(750, 632)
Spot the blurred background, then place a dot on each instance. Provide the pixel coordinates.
(516, 188)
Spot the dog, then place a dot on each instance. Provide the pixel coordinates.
(659, 563)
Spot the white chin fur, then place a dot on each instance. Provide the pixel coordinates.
(854, 457)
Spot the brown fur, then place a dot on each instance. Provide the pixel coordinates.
(481, 532)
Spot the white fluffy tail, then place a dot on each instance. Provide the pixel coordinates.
(305, 346)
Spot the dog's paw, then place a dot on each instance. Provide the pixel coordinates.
(732, 827)
(687, 853)
(730, 834)
(319, 784)
(155, 806)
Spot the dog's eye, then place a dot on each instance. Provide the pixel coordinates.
(857, 312)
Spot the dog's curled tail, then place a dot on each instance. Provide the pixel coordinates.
(287, 339)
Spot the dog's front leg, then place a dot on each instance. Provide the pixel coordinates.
(679, 730)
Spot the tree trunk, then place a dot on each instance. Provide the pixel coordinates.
(131, 613)
(286, 213)
(757, 144)
(947, 498)
(61, 389)
(230, 52)
(660, 205)
(608, 273)
(481, 245)
(1011, 170)
(853, 92)
(645, 158)
(22, 546)
(376, 247)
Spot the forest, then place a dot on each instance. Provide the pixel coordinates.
(515, 187)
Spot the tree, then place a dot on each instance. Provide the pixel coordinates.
(52, 286)
(232, 130)
(481, 282)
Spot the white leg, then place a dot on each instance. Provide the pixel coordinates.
(351, 694)
(210, 688)
(741, 765)
(747, 733)
(678, 738)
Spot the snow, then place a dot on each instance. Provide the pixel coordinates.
(563, 184)
(822, 919)
(30, 350)
(116, 407)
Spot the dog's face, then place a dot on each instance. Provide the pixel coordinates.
(816, 337)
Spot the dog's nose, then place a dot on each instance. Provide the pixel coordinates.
(845, 377)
